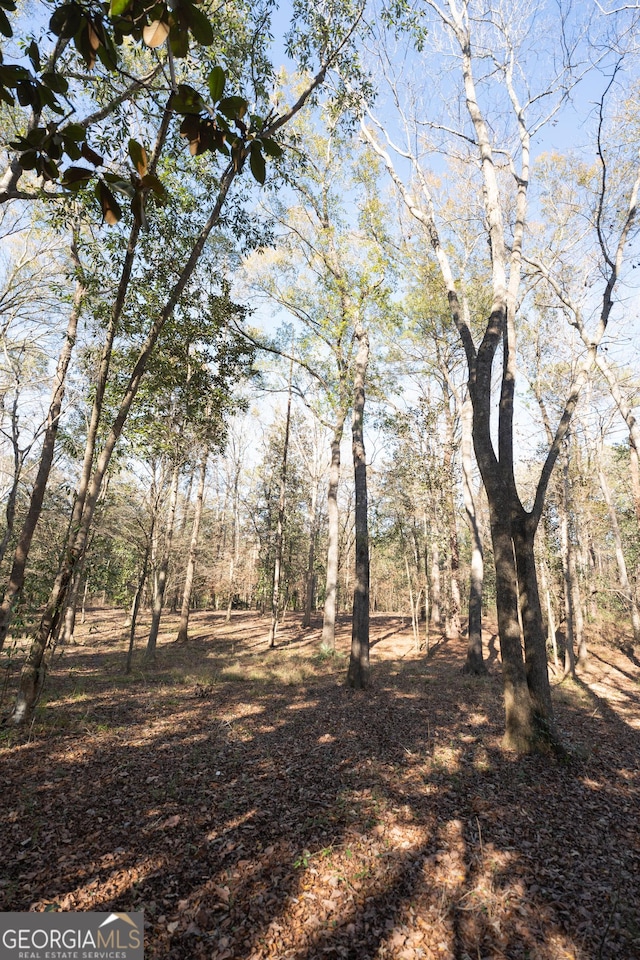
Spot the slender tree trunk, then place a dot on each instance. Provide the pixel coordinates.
(568, 571)
(277, 567)
(193, 547)
(551, 620)
(625, 586)
(434, 575)
(158, 599)
(21, 553)
(474, 663)
(18, 463)
(452, 625)
(333, 545)
(310, 580)
(175, 598)
(135, 607)
(358, 674)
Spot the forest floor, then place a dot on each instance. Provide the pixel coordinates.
(255, 808)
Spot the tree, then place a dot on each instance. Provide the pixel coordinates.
(503, 218)
(243, 147)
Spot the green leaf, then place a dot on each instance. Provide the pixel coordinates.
(75, 131)
(138, 156)
(271, 148)
(233, 107)
(125, 187)
(25, 93)
(256, 162)
(34, 55)
(217, 79)
(200, 25)
(28, 160)
(152, 182)
(66, 20)
(91, 155)
(118, 7)
(55, 82)
(76, 177)
(179, 40)
(186, 100)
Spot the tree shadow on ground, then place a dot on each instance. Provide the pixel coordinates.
(254, 821)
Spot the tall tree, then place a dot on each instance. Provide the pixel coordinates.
(503, 215)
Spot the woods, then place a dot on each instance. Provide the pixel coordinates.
(230, 233)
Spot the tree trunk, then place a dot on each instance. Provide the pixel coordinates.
(551, 621)
(158, 598)
(358, 674)
(333, 545)
(452, 626)
(193, 547)
(310, 579)
(474, 663)
(21, 553)
(135, 607)
(568, 572)
(518, 705)
(535, 645)
(277, 567)
(434, 576)
(625, 586)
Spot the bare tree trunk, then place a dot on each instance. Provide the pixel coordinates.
(333, 545)
(277, 568)
(625, 586)
(474, 663)
(21, 553)
(310, 580)
(135, 607)
(551, 621)
(434, 576)
(568, 571)
(158, 599)
(452, 625)
(358, 674)
(193, 547)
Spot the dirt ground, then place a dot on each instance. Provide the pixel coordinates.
(256, 808)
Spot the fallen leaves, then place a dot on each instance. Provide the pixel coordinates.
(265, 821)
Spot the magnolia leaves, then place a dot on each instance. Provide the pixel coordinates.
(136, 189)
(229, 129)
(97, 32)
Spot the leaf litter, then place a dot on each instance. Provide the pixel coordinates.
(255, 808)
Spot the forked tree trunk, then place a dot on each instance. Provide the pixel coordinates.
(358, 674)
(183, 629)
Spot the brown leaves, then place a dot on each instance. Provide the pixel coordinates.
(264, 821)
